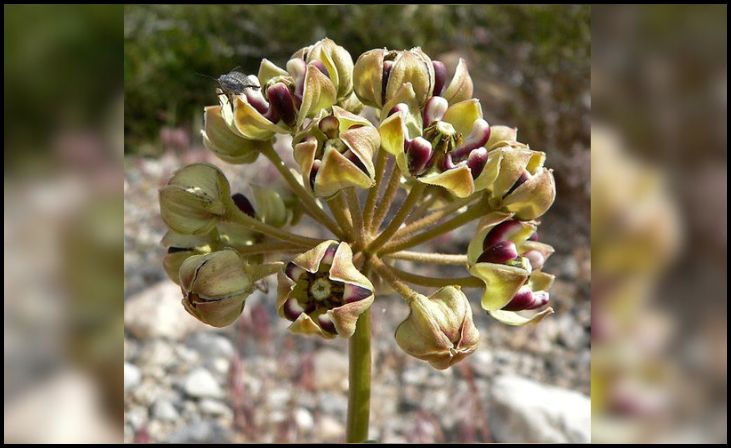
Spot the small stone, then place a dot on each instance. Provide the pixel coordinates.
(164, 410)
(156, 312)
(415, 375)
(136, 417)
(333, 404)
(220, 365)
(278, 398)
(330, 430)
(210, 345)
(132, 376)
(331, 370)
(524, 411)
(200, 383)
(157, 353)
(201, 432)
(482, 363)
(303, 419)
(215, 407)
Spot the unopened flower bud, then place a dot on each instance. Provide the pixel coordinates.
(501, 255)
(439, 328)
(216, 285)
(460, 87)
(195, 199)
(181, 247)
(380, 73)
(501, 135)
(418, 154)
(228, 145)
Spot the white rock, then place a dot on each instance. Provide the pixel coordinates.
(164, 410)
(329, 430)
(215, 407)
(156, 312)
(201, 384)
(331, 370)
(278, 398)
(157, 353)
(303, 419)
(132, 376)
(220, 365)
(524, 411)
(211, 345)
(136, 417)
(482, 363)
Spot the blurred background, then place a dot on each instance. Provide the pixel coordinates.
(63, 221)
(255, 382)
(659, 226)
(658, 298)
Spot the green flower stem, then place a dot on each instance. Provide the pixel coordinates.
(389, 195)
(433, 218)
(386, 272)
(239, 217)
(308, 201)
(370, 205)
(406, 208)
(359, 380)
(339, 209)
(272, 247)
(429, 200)
(466, 282)
(435, 258)
(473, 212)
(357, 215)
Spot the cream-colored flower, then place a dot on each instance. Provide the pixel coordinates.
(322, 292)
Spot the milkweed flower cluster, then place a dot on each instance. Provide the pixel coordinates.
(361, 131)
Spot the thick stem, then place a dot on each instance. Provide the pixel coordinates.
(466, 282)
(268, 230)
(357, 215)
(308, 201)
(435, 258)
(370, 205)
(406, 208)
(359, 380)
(472, 213)
(394, 181)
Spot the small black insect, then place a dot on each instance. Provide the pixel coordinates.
(233, 82)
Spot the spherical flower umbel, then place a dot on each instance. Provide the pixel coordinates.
(322, 292)
(439, 328)
(337, 152)
(502, 256)
(381, 155)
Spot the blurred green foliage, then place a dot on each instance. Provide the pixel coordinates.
(167, 47)
(62, 65)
